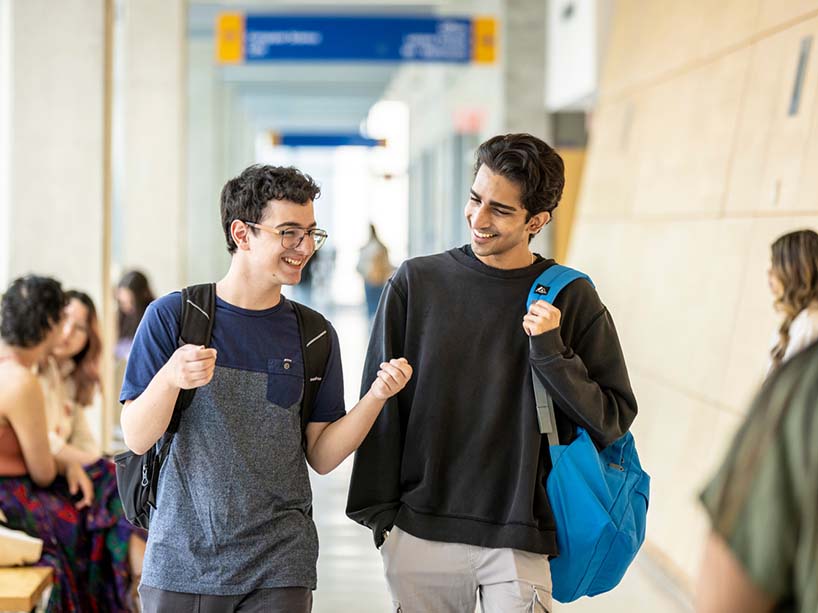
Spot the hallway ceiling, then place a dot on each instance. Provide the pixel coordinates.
(306, 96)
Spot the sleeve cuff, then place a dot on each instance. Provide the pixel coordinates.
(381, 522)
(546, 345)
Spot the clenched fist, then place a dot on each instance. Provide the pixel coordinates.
(541, 317)
(392, 378)
(191, 366)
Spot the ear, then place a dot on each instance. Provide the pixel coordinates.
(240, 231)
(536, 223)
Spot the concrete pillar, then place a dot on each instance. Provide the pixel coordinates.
(524, 79)
(5, 137)
(55, 152)
(52, 141)
(524, 67)
(150, 189)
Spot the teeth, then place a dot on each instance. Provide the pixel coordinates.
(481, 235)
(293, 262)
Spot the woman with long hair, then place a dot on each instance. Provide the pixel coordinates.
(133, 295)
(793, 280)
(70, 380)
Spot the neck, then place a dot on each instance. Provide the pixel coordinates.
(245, 290)
(26, 356)
(509, 260)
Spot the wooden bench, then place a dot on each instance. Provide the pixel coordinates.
(22, 587)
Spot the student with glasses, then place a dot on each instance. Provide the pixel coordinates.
(233, 526)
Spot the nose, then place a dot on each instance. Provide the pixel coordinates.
(480, 216)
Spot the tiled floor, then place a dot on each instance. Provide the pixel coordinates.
(350, 576)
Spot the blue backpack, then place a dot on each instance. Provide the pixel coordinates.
(599, 498)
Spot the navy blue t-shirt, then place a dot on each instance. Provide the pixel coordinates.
(244, 339)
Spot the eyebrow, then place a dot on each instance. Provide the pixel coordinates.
(494, 203)
(292, 224)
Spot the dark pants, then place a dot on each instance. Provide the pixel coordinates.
(275, 600)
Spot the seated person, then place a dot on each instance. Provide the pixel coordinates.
(50, 497)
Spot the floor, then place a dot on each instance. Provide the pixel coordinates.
(350, 575)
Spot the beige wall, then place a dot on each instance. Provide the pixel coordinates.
(694, 167)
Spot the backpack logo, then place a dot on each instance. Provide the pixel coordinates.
(542, 289)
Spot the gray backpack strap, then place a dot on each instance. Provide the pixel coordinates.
(545, 410)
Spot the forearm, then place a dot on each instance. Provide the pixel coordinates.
(596, 395)
(70, 453)
(145, 419)
(374, 488)
(344, 436)
(63, 464)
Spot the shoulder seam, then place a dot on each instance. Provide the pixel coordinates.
(590, 325)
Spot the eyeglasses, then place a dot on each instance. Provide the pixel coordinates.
(291, 238)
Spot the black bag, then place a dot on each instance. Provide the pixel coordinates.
(138, 475)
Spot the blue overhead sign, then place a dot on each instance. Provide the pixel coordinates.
(324, 140)
(266, 38)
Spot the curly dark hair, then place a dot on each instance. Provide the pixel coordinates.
(244, 197)
(531, 164)
(30, 308)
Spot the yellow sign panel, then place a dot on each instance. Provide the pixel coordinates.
(230, 38)
(484, 40)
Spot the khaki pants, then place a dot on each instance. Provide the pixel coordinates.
(431, 576)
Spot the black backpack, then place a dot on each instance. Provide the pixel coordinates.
(137, 476)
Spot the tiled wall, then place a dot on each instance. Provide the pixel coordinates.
(695, 165)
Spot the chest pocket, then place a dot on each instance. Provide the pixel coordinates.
(285, 381)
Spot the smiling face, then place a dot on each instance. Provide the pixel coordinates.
(497, 220)
(267, 259)
(74, 330)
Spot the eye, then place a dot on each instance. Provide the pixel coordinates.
(289, 233)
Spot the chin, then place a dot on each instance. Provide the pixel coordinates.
(482, 249)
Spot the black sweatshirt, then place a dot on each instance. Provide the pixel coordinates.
(457, 455)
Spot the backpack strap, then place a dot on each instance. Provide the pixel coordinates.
(315, 345)
(552, 281)
(547, 287)
(195, 328)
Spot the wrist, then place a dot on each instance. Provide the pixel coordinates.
(372, 397)
(166, 379)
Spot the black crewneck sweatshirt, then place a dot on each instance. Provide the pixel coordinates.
(457, 455)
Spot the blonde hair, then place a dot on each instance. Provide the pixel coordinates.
(795, 265)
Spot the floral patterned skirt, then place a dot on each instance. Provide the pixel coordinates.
(88, 549)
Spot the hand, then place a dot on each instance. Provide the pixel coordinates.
(541, 317)
(79, 481)
(392, 378)
(191, 366)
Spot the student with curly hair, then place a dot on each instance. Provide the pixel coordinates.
(793, 279)
(233, 529)
(51, 498)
